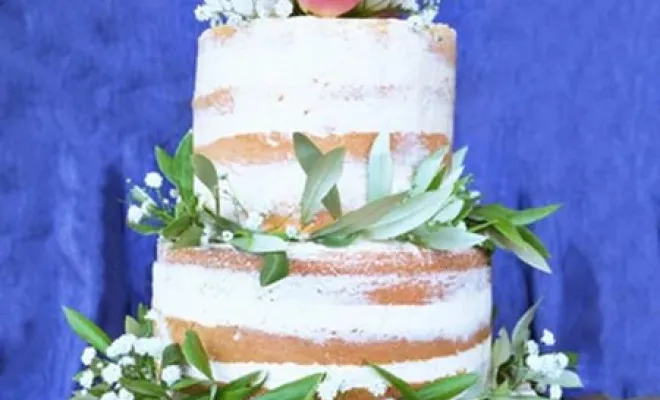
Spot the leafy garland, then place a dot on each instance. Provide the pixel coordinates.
(438, 211)
(139, 366)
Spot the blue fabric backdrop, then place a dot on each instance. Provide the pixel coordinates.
(558, 100)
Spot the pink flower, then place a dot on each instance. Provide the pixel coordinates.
(327, 8)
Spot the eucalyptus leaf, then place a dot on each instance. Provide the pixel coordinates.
(359, 219)
(131, 325)
(87, 330)
(205, 171)
(451, 238)
(399, 384)
(531, 239)
(379, 169)
(501, 352)
(426, 171)
(143, 387)
(337, 240)
(194, 353)
(275, 267)
(166, 165)
(190, 237)
(139, 195)
(493, 212)
(260, 243)
(569, 379)
(449, 211)
(322, 177)
(452, 177)
(408, 215)
(531, 215)
(177, 227)
(302, 389)
(83, 397)
(521, 332)
(307, 154)
(447, 388)
(183, 167)
(458, 158)
(172, 355)
(144, 229)
(524, 252)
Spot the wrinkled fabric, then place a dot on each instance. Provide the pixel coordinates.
(557, 99)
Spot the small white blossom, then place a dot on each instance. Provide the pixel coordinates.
(154, 180)
(86, 379)
(174, 194)
(548, 338)
(171, 374)
(548, 365)
(226, 236)
(532, 347)
(555, 392)
(474, 194)
(283, 8)
(533, 361)
(135, 214)
(110, 396)
(244, 8)
(125, 395)
(126, 361)
(152, 315)
(150, 346)
(121, 346)
(88, 356)
(254, 221)
(291, 232)
(111, 373)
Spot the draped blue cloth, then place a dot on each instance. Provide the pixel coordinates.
(558, 101)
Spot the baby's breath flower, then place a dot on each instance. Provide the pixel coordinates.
(153, 180)
(126, 361)
(174, 193)
(532, 347)
(88, 356)
(110, 396)
(283, 8)
(135, 214)
(121, 346)
(226, 236)
(548, 338)
(111, 373)
(171, 374)
(125, 395)
(86, 379)
(555, 392)
(150, 346)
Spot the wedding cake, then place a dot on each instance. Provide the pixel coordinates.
(420, 313)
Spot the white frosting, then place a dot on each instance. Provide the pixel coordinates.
(323, 76)
(341, 378)
(332, 306)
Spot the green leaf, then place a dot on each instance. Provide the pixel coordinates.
(426, 171)
(146, 388)
(409, 215)
(307, 154)
(449, 211)
(144, 229)
(87, 330)
(493, 212)
(523, 251)
(195, 355)
(573, 358)
(399, 384)
(249, 380)
(338, 240)
(569, 379)
(276, 267)
(501, 352)
(177, 227)
(322, 177)
(172, 355)
(260, 243)
(187, 383)
(447, 388)
(166, 165)
(139, 195)
(451, 238)
(531, 239)
(243, 387)
(521, 332)
(190, 237)
(131, 325)
(529, 216)
(458, 158)
(379, 169)
(302, 389)
(359, 219)
(83, 397)
(205, 171)
(183, 166)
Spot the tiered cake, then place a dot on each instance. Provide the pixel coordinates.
(421, 314)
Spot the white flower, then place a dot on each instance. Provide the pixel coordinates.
(121, 346)
(174, 194)
(548, 338)
(548, 365)
(125, 395)
(154, 180)
(254, 221)
(555, 392)
(283, 8)
(226, 236)
(291, 232)
(533, 361)
(150, 346)
(171, 374)
(244, 8)
(126, 361)
(110, 396)
(111, 373)
(135, 214)
(88, 356)
(152, 315)
(561, 360)
(532, 347)
(86, 379)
